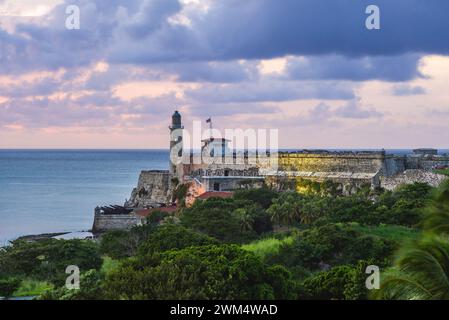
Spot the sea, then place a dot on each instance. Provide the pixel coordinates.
(55, 191)
(52, 191)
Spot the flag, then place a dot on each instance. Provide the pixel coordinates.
(209, 120)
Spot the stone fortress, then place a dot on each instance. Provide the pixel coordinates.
(217, 169)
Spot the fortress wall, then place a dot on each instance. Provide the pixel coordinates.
(347, 185)
(427, 163)
(412, 176)
(332, 162)
(103, 223)
(153, 187)
(394, 165)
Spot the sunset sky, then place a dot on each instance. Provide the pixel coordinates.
(309, 68)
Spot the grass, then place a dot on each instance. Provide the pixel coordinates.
(29, 288)
(443, 171)
(390, 232)
(109, 264)
(267, 246)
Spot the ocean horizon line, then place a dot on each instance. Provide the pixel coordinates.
(167, 149)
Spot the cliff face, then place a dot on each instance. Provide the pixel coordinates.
(153, 188)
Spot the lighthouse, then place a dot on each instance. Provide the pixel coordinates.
(176, 129)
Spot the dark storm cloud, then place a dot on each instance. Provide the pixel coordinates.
(138, 32)
(259, 29)
(385, 68)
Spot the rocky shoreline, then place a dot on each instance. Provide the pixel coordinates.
(55, 235)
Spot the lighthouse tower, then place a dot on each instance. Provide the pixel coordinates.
(176, 129)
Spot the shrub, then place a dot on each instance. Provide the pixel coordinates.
(8, 287)
(211, 272)
(172, 236)
(48, 259)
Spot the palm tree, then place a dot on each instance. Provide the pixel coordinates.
(277, 213)
(246, 219)
(437, 214)
(421, 271)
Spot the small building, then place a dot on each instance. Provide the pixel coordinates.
(425, 152)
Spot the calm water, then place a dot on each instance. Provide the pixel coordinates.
(52, 191)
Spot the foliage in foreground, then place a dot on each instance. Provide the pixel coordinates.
(211, 272)
(421, 268)
(8, 286)
(331, 240)
(47, 260)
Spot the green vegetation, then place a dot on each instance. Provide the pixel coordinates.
(266, 247)
(171, 236)
(211, 272)
(443, 171)
(233, 249)
(228, 220)
(420, 270)
(109, 265)
(32, 288)
(47, 260)
(8, 287)
(390, 232)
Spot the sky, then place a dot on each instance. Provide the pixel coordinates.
(309, 68)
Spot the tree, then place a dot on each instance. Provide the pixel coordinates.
(48, 259)
(246, 219)
(91, 288)
(121, 244)
(437, 213)
(332, 245)
(218, 219)
(8, 287)
(345, 282)
(286, 209)
(262, 196)
(421, 269)
(211, 272)
(421, 272)
(180, 194)
(172, 236)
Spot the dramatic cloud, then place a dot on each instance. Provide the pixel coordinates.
(145, 32)
(261, 29)
(134, 61)
(385, 68)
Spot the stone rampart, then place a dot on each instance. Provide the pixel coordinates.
(412, 176)
(108, 222)
(362, 162)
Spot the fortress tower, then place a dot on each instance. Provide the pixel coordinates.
(176, 129)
